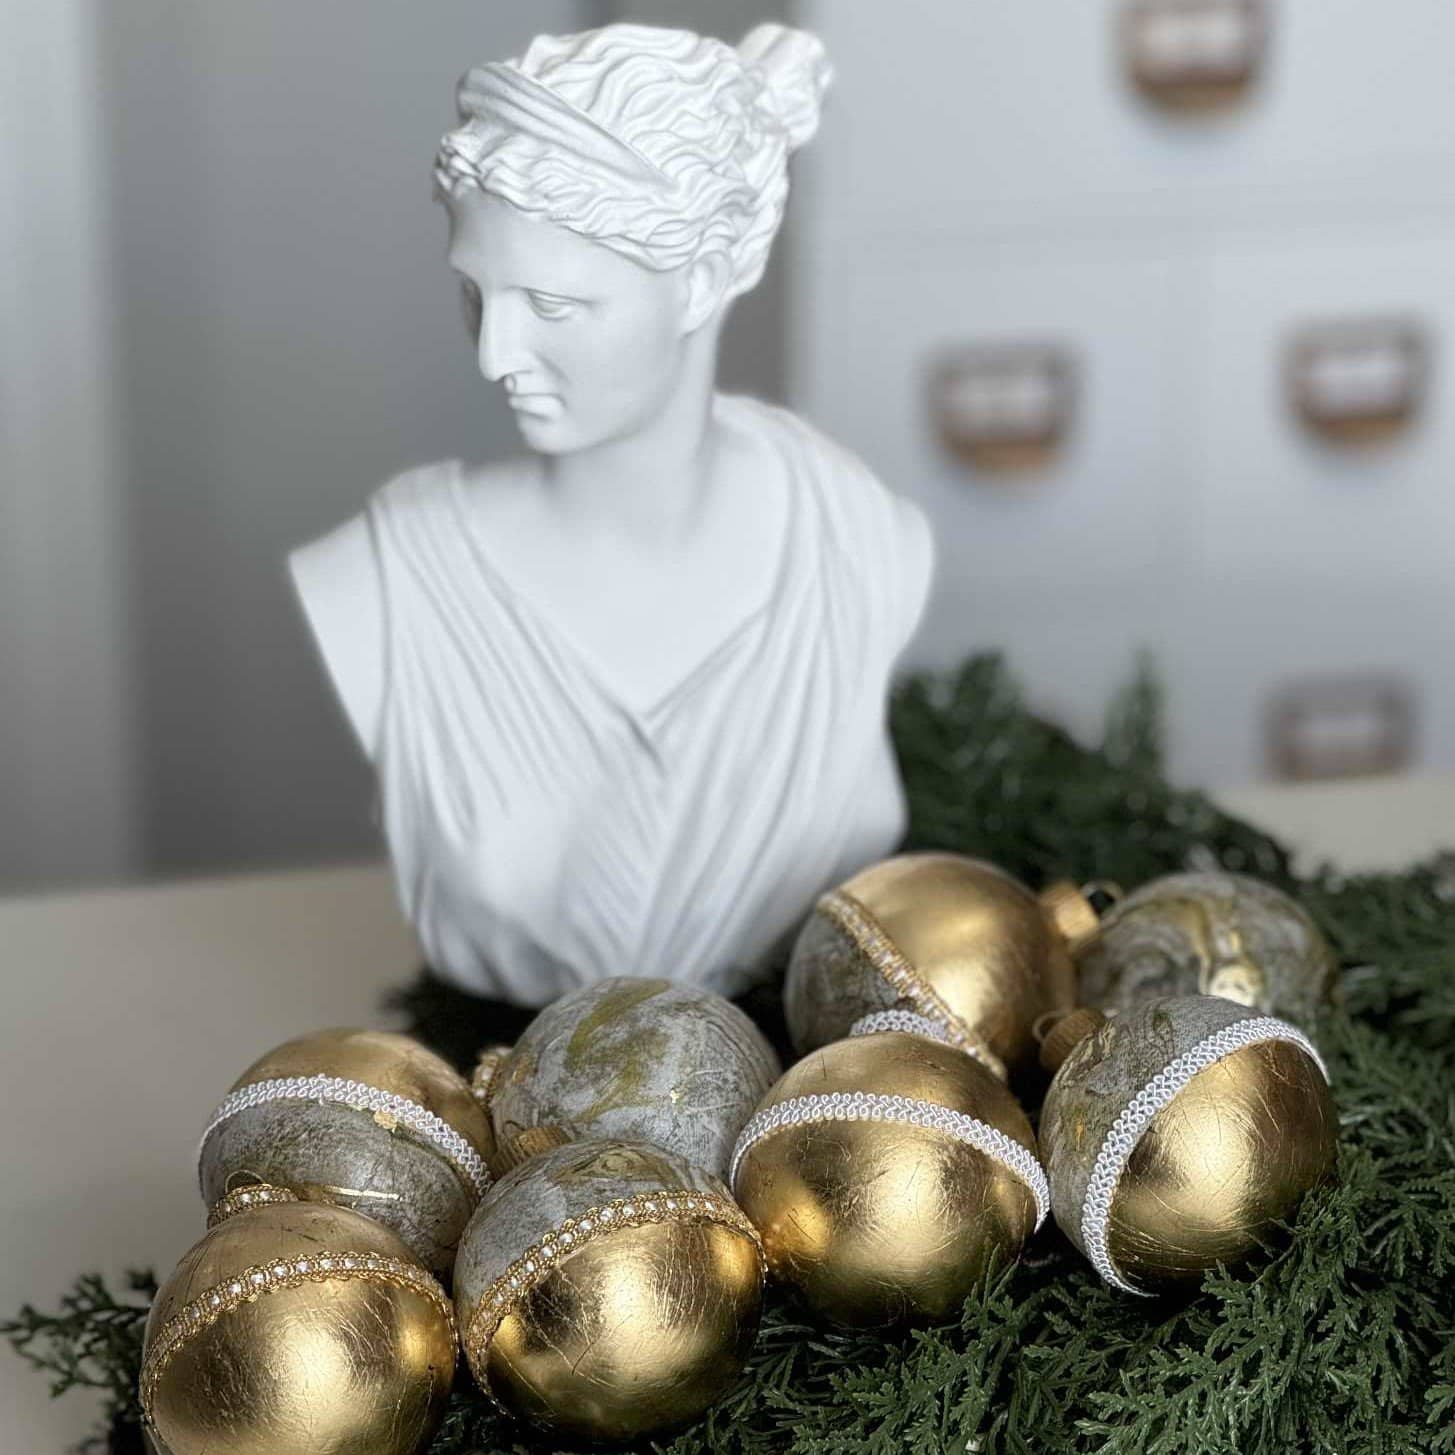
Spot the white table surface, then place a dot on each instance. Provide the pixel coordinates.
(126, 1014)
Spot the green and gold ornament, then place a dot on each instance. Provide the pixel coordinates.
(641, 1059)
(949, 938)
(608, 1290)
(886, 1171)
(1179, 1134)
(1209, 934)
(367, 1120)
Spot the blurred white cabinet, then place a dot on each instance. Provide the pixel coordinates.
(986, 174)
(1276, 498)
(1100, 507)
(967, 114)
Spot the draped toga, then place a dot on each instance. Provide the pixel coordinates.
(544, 834)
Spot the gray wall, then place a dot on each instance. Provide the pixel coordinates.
(289, 337)
(67, 810)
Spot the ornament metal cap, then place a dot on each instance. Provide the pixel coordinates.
(1072, 912)
(1060, 1033)
(531, 1143)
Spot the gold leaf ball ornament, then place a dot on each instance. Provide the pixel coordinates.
(634, 1058)
(952, 938)
(886, 1172)
(368, 1120)
(1178, 1135)
(1210, 933)
(608, 1290)
(299, 1327)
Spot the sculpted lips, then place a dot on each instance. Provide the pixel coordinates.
(542, 405)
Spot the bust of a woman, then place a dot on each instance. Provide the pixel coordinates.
(625, 694)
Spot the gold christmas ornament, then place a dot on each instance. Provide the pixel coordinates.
(640, 1059)
(297, 1327)
(366, 1119)
(607, 1290)
(886, 1171)
(1177, 1135)
(953, 939)
(1210, 934)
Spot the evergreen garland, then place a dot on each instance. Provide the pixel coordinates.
(1338, 1341)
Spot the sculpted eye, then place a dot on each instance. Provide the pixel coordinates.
(548, 305)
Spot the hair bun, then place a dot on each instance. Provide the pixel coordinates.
(797, 71)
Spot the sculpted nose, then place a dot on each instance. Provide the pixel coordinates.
(501, 344)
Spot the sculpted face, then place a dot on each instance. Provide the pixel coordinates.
(586, 342)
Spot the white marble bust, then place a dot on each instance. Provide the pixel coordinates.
(625, 695)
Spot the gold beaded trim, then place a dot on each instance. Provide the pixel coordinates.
(486, 1070)
(868, 935)
(530, 1269)
(249, 1285)
(257, 1194)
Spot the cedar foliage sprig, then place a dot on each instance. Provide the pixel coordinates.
(1339, 1340)
(93, 1342)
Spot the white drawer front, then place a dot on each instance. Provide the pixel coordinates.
(962, 113)
(1280, 500)
(1108, 503)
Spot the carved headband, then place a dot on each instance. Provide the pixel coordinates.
(498, 92)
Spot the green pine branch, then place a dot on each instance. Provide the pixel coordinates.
(1338, 1340)
(94, 1342)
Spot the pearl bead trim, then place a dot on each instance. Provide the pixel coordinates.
(530, 1269)
(901, 1020)
(862, 1106)
(264, 1278)
(458, 1152)
(1136, 1117)
(486, 1070)
(257, 1194)
(883, 954)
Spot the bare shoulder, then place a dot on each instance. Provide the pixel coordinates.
(747, 453)
(856, 491)
(509, 479)
(882, 525)
(918, 547)
(504, 495)
(340, 569)
(342, 554)
(916, 537)
(340, 587)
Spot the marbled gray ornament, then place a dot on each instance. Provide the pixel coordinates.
(832, 982)
(1210, 934)
(327, 1151)
(543, 1192)
(651, 1060)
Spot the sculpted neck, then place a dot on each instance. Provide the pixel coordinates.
(648, 486)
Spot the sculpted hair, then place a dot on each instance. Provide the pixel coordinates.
(661, 144)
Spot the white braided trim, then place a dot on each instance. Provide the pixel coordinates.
(863, 1106)
(454, 1148)
(907, 1021)
(1136, 1117)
